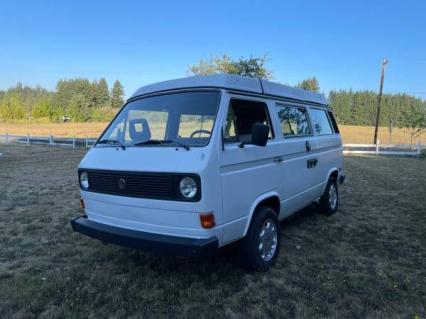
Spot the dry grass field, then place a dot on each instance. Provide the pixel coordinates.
(92, 129)
(350, 134)
(367, 261)
(364, 135)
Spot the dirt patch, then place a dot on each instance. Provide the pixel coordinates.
(366, 261)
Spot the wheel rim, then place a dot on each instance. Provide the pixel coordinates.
(332, 196)
(268, 238)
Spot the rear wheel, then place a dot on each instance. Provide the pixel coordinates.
(330, 199)
(260, 247)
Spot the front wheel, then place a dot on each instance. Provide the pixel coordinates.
(260, 247)
(330, 199)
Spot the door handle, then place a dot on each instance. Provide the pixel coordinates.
(278, 159)
(312, 162)
(308, 145)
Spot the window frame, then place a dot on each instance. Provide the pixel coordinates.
(257, 100)
(328, 119)
(164, 93)
(278, 105)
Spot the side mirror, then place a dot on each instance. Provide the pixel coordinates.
(259, 135)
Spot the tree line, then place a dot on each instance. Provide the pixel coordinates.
(351, 108)
(77, 100)
(80, 100)
(359, 108)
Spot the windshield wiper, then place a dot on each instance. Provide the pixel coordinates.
(112, 142)
(179, 143)
(149, 142)
(153, 142)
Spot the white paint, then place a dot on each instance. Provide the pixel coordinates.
(235, 82)
(233, 180)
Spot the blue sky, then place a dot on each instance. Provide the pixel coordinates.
(342, 43)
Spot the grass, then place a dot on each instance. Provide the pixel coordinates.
(350, 134)
(92, 129)
(364, 135)
(367, 261)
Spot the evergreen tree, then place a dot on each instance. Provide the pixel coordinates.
(117, 95)
(101, 93)
(65, 101)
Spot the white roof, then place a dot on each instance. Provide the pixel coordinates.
(235, 82)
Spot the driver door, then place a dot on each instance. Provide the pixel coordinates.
(246, 172)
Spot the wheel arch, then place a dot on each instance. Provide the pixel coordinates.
(270, 199)
(333, 172)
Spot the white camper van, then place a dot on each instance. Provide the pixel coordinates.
(190, 165)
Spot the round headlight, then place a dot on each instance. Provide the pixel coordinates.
(84, 180)
(188, 187)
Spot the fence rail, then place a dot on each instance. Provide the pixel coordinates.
(52, 141)
(74, 142)
(384, 149)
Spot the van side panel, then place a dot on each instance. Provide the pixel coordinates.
(299, 186)
(246, 174)
(329, 155)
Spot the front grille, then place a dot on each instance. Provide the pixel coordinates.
(138, 184)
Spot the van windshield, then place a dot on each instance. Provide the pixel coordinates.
(178, 119)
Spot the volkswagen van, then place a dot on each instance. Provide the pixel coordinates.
(188, 166)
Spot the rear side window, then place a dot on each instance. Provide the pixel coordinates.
(333, 122)
(294, 121)
(320, 122)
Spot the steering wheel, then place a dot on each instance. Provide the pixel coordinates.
(199, 132)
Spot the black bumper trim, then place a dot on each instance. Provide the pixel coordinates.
(172, 245)
(342, 179)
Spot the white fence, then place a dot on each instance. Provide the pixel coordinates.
(384, 149)
(74, 142)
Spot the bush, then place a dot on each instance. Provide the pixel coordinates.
(103, 114)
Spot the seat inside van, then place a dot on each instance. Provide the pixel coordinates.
(242, 115)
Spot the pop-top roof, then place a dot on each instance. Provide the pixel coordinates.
(235, 82)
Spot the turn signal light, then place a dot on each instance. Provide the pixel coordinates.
(207, 220)
(81, 203)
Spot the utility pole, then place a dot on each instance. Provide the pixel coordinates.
(379, 100)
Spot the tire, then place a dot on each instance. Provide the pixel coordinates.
(329, 201)
(264, 223)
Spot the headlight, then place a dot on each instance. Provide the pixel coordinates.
(188, 187)
(84, 180)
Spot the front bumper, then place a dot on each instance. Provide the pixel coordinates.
(156, 243)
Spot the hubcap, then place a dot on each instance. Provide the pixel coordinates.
(332, 196)
(267, 240)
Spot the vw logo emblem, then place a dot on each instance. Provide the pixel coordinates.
(122, 184)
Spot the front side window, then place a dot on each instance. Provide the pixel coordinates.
(320, 122)
(242, 115)
(165, 120)
(294, 121)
